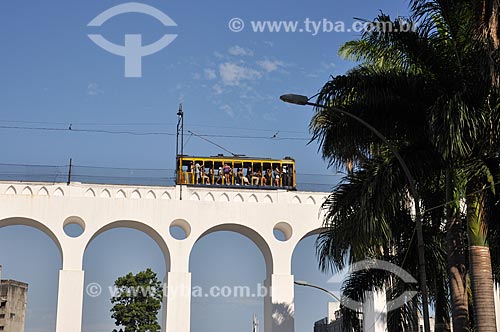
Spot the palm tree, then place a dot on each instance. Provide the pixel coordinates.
(372, 205)
(399, 115)
(438, 78)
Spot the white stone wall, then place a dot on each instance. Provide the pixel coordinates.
(153, 210)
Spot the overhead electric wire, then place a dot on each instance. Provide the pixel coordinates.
(157, 124)
(134, 133)
(209, 141)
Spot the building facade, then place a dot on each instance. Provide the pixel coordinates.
(331, 323)
(13, 299)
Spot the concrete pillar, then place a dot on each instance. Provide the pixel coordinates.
(375, 312)
(178, 302)
(70, 301)
(279, 309)
(164, 305)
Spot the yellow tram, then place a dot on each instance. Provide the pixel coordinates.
(237, 171)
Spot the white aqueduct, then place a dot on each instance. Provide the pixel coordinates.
(153, 210)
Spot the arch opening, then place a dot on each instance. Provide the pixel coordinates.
(228, 264)
(311, 304)
(115, 250)
(20, 221)
(30, 255)
(138, 226)
(249, 233)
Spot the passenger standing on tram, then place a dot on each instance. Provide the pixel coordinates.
(285, 175)
(277, 177)
(211, 174)
(249, 174)
(197, 170)
(191, 173)
(219, 176)
(204, 177)
(227, 173)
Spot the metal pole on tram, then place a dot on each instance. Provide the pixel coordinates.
(178, 166)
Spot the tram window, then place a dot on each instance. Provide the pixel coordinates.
(287, 173)
(208, 164)
(237, 164)
(247, 166)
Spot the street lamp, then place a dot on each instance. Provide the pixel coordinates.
(305, 283)
(304, 100)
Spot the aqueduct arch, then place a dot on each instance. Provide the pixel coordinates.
(139, 226)
(153, 210)
(249, 233)
(41, 226)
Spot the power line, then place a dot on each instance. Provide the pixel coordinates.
(156, 124)
(209, 141)
(135, 133)
(76, 166)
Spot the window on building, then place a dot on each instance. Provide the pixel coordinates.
(2, 316)
(12, 316)
(1, 328)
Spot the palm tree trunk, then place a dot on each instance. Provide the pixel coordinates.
(457, 276)
(457, 270)
(480, 264)
(482, 288)
(489, 28)
(489, 21)
(442, 318)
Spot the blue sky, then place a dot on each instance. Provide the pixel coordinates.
(52, 75)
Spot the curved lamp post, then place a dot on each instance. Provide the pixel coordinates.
(305, 283)
(304, 100)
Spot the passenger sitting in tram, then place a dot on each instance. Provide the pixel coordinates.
(256, 177)
(246, 182)
(204, 177)
(267, 178)
(249, 173)
(239, 177)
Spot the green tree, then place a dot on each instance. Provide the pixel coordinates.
(435, 89)
(137, 302)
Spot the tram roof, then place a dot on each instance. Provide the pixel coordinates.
(238, 157)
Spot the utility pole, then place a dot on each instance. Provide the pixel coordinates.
(178, 166)
(69, 171)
